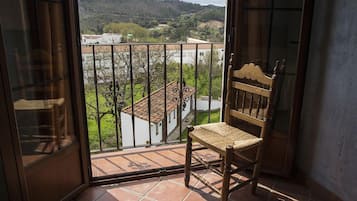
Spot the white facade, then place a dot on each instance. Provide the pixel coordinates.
(104, 39)
(202, 104)
(142, 136)
(189, 55)
(104, 62)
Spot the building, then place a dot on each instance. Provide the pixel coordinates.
(141, 115)
(104, 39)
(121, 55)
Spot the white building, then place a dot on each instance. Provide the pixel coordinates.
(104, 39)
(103, 55)
(141, 115)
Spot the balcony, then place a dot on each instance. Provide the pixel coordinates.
(139, 100)
(171, 187)
(140, 97)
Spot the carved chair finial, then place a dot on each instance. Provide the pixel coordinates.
(231, 59)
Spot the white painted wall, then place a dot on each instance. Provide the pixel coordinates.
(187, 110)
(106, 64)
(188, 56)
(142, 128)
(141, 131)
(104, 39)
(202, 104)
(172, 125)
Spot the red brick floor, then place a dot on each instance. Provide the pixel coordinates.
(171, 188)
(141, 159)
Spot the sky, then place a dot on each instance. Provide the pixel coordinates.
(207, 2)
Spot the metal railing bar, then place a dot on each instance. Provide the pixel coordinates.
(149, 90)
(141, 44)
(132, 91)
(210, 85)
(181, 86)
(165, 96)
(180, 92)
(96, 99)
(115, 98)
(196, 77)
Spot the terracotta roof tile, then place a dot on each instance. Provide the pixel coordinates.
(157, 102)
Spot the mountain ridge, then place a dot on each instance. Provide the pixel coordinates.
(94, 14)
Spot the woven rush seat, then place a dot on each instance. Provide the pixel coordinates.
(217, 136)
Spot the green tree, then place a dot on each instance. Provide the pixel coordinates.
(138, 32)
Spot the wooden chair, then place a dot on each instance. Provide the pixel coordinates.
(249, 100)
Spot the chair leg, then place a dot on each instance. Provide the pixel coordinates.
(256, 171)
(222, 163)
(227, 172)
(188, 158)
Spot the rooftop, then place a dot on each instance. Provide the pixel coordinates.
(157, 102)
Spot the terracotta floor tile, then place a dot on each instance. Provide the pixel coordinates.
(91, 194)
(195, 196)
(245, 192)
(141, 186)
(106, 166)
(168, 191)
(214, 179)
(160, 159)
(171, 188)
(97, 172)
(172, 155)
(138, 162)
(121, 194)
(181, 151)
(108, 197)
(147, 199)
(205, 192)
(207, 154)
(121, 162)
(179, 179)
(128, 164)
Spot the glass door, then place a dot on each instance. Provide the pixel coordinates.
(41, 81)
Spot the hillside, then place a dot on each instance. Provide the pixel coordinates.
(95, 14)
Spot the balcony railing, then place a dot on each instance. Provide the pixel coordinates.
(140, 95)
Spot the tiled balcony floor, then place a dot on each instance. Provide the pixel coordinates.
(142, 159)
(171, 188)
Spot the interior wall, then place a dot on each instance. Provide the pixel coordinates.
(328, 131)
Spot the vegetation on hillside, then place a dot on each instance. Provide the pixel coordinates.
(182, 19)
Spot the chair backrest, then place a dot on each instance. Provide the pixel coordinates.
(250, 95)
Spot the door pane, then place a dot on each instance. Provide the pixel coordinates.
(284, 43)
(39, 77)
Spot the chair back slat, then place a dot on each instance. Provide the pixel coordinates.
(247, 118)
(249, 95)
(251, 88)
